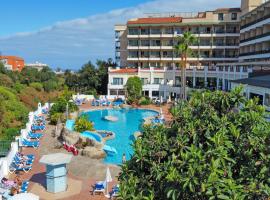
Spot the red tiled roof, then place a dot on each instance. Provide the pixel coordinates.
(11, 57)
(156, 20)
(125, 71)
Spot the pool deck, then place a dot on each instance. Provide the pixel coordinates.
(82, 172)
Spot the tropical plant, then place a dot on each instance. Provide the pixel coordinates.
(83, 124)
(134, 89)
(144, 100)
(218, 147)
(183, 49)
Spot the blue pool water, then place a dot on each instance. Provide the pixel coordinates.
(91, 135)
(129, 121)
(70, 124)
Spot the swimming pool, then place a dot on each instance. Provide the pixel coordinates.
(129, 121)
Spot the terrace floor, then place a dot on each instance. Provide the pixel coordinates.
(83, 172)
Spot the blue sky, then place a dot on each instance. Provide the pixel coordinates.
(68, 33)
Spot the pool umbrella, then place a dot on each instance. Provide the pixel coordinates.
(161, 112)
(25, 196)
(108, 180)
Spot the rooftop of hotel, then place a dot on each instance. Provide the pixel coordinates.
(176, 17)
(259, 81)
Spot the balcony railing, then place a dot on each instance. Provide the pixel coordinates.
(255, 37)
(256, 21)
(255, 52)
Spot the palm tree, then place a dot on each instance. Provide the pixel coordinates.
(183, 49)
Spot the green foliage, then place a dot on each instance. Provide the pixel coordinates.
(57, 116)
(134, 89)
(13, 114)
(50, 85)
(18, 87)
(144, 100)
(37, 86)
(83, 124)
(90, 77)
(215, 149)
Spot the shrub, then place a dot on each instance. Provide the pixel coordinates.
(18, 87)
(50, 85)
(37, 86)
(57, 116)
(144, 101)
(215, 149)
(83, 124)
(134, 89)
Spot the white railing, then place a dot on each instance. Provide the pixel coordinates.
(6, 161)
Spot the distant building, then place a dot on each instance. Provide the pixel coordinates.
(37, 65)
(13, 63)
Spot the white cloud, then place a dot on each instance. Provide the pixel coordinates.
(69, 44)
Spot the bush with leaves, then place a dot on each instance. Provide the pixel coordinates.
(145, 101)
(218, 147)
(83, 124)
(134, 89)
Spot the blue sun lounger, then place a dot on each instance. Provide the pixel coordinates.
(99, 187)
(16, 160)
(32, 135)
(24, 186)
(34, 144)
(38, 128)
(13, 168)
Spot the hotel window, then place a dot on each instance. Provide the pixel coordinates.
(155, 31)
(157, 80)
(117, 34)
(177, 81)
(155, 43)
(117, 81)
(267, 100)
(133, 31)
(133, 43)
(144, 81)
(117, 45)
(133, 54)
(234, 16)
(144, 31)
(145, 43)
(220, 16)
(155, 93)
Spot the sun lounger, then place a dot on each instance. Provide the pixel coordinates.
(13, 168)
(24, 186)
(27, 143)
(99, 187)
(17, 161)
(38, 128)
(32, 135)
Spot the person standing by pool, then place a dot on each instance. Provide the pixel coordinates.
(124, 159)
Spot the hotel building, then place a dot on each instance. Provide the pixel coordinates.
(255, 53)
(144, 47)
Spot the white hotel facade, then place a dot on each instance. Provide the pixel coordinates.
(144, 48)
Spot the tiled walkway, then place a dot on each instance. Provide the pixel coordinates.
(37, 180)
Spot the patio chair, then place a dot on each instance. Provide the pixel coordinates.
(13, 168)
(27, 143)
(32, 135)
(18, 161)
(99, 187)
(24, 186)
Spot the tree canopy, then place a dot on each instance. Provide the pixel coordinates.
(134, 88)
(218, 147)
